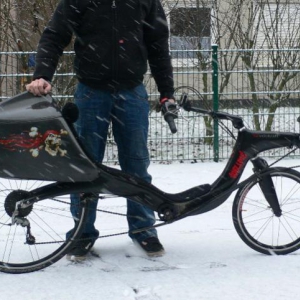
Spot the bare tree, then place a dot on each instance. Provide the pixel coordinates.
(6, 35)
(261, 30)
(243, 25)
(22, 23)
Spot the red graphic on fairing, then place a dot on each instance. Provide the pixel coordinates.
(235, 171)
(34, 141)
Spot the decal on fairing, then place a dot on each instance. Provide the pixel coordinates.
(34, 141)
(234, 172)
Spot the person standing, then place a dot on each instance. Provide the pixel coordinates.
(114, 42)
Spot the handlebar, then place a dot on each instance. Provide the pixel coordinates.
(170, 113)
(237, 121)
(170, 120)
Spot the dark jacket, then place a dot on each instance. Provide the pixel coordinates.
(114, 39)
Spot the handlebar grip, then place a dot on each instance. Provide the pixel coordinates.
(170, 120)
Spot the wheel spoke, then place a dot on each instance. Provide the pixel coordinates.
(255, 221)
(45, 222)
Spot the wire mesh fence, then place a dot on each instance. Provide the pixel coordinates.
(262, 86)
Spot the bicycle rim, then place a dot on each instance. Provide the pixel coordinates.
(49, 220)
(255, 221)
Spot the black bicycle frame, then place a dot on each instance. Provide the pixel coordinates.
(197, 200)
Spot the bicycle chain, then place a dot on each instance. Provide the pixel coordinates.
(108, 235)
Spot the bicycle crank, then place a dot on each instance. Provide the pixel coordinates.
(167, 212)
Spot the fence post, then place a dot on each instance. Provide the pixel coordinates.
(215, 99)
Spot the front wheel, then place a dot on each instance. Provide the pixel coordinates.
(255, 221)
(30, 248)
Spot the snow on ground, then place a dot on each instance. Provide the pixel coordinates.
(205, 258)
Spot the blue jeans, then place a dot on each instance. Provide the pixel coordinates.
(128, 111)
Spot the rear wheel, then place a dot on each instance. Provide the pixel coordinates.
(39, 240)
(255, 221)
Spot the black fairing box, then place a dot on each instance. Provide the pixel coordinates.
(36, 142)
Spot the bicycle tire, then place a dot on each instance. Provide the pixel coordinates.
(49, 219)
(255, 221)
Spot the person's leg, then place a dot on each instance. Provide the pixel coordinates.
(92, 127)
(130, 128)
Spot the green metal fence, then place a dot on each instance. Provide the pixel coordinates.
(262, 86)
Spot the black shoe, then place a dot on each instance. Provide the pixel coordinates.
(152, 246)
(80, 250)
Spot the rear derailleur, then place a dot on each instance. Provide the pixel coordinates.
(18, 212)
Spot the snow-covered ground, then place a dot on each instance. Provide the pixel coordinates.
(205, 258)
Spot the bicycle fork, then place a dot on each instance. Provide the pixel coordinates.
(266, 184)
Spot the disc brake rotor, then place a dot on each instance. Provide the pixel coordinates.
(11, 201)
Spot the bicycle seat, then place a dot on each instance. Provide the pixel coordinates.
(36, 142)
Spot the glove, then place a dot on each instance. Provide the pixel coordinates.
(169, 108)
(160, 103)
